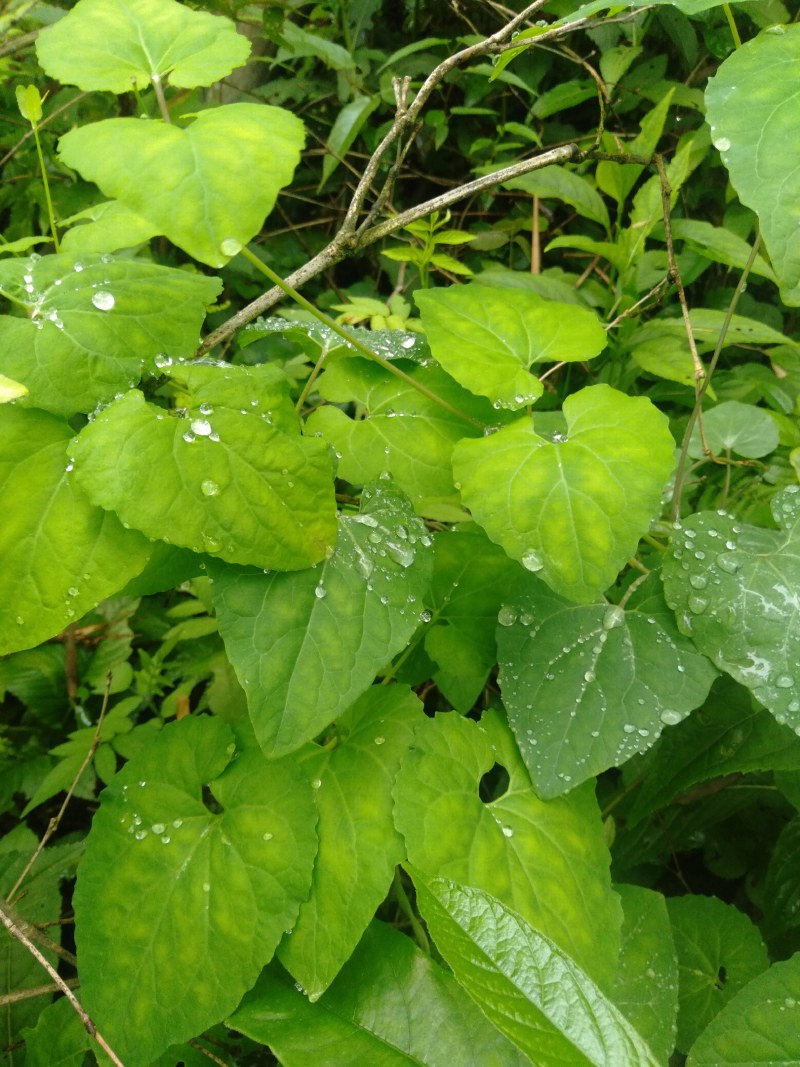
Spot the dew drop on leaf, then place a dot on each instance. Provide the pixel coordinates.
(697, 604)
(230, 246)
(103, 300)
(201, 427)
(614, 616)
(320, 592)
(506, 616)
(532, 561)
(209, 487)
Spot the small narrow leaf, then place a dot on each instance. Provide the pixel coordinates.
(572, 510)
(224, 195)
(305, 646)
(177, 908)
(528, 987)
(488, 339)
(118, 47)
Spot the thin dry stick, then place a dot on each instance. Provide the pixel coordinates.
(36, 991)
(16, 931)
(53, 825)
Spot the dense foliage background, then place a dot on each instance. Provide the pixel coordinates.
(408, 676)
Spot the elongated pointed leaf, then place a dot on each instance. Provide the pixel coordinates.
(229, 482)
(734, 590)
(588, 686)
(752, 120)
(573, 510)
(305, 646)
(122, 46)
(177, 909)
(392, 1006)
(528, 987)
(759, 1027)
(95, 324)
(359, 846)
(61, 555)
(223, 195)
(546, 860)
(719, 952)
(488, 339)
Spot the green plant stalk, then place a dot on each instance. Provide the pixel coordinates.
(326, 320)
(737, 40)
(405, 905)
(46, 183)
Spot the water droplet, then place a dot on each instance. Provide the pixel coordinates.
(697, 604)
(162, 360)
(158, 828)
(380, 740)
(722, 144)
(77, 267)
(206, 409)
(784, 681)
(211, 544)
(140, 835)
(506, 616)
(316, 783)
(201, 427)
(230, 246)
(588, 676)
(209, 488)
(177, 823)
(629, 728)
(408, 342)
(206, 887)
(402, 554)
(507, 831)
(165, 840)
(320, 592)
(532, 561)
(267, 836)
(614, 616)
(698, 581)
(728, 563)
(103, 300)
(188, 437)
(425, 616)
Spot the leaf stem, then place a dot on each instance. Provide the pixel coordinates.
(46, 184)
(732, 23)
(405, 906)
(326, 320)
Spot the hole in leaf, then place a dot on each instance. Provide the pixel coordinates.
(493, 784)
(722, 978)
(211, 802)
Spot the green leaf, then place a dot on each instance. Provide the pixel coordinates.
(559, 183)
(358, 844)
(758, 1027)
(95, 324)
(402, 430)
(742, 429)
(118, 47)
(224, 195)
(59, 1038)
(707, 325)
(781, 897)
(469, 578)
(729, 737)
(646, 987)
(231, 482)
(178, 908)
(488, 339)
(734, 590)
(719, 952)
(344, 131)
(752, 119)
(302, 43)
(546, 859)
(391, 1006)
(61, 555)
(586, 687)
(572, 510)
(305, 646)
(526, 985)
(29, 103)
(105, 228)
(11, 390)
(719, 245)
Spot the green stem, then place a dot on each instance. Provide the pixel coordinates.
(405, 905)
(326, 320)
(731, 22)
(46, 183)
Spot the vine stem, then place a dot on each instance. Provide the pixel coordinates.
(326, 320)
(15, 929)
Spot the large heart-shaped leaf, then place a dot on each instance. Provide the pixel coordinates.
(122, 46)
(61, 555)
(489, 338)
(178, 908)
(95, 324)
(588, 686)
(759, 1027)
(207, 199)
(391, 1006)
(306, 645)
(734, 588)
(223, 479)
(753, 121)
(359, 846)
(573, 509)
(528, 987)
(546, 859)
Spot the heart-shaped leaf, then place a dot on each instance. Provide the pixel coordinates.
(224, 196)
(487, 339)
(734, 427)
(752, 120)
(229, 481)
(122, 46)
(587, 687)
(61, 555)
(178, 908)
(306, 645)
(546, 859)
(95, 324)
(573, 509)
(734, 588)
